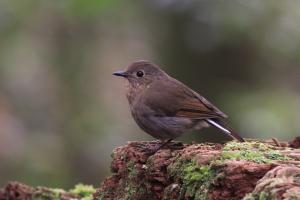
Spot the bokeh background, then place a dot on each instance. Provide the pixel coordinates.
(62, 112)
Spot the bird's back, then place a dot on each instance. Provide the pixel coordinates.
(173, 98)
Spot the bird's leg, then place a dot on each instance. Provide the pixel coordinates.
(152, 150)
(156, 149)
(164, 143)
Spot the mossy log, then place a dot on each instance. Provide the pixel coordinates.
(249, 171)
(19, 191)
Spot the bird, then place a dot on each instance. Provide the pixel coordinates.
(166, 108)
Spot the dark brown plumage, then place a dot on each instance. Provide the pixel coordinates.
(166, 108)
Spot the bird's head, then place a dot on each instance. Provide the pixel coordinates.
(141, 73)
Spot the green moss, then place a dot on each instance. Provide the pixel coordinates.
(133, 192)
(100, 197)
(112, 155)
(85, 192)
(132, 172)
(57, 192)
(194, 173)
(133, 188)
(175, 170)
(259, 196)
(47, 194)
(51, 194)
(251, 151)
(195, 179)
(130, 191)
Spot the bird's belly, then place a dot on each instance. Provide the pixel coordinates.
(164, 127)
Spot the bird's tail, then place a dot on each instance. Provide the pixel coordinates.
(225, 129)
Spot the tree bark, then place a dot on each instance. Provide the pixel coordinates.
(251, 170)
(19, 191)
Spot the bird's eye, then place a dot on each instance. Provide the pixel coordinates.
(140, 74)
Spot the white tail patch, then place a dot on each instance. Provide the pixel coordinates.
(218, 126)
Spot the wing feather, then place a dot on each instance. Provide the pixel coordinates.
(174, 99)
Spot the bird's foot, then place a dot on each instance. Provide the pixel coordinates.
(146, 147)
(167, 145)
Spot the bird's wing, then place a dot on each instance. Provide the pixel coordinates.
(174, 99)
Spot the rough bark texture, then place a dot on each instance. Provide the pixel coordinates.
(19, 191)
(251, 170)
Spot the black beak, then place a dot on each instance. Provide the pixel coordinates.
(120, 73)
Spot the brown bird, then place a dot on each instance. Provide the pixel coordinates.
(166, 108)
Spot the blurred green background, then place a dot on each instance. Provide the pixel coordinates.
(62, 112)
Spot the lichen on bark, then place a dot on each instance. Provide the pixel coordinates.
(195, 171)
(253, 170)
(19, 191)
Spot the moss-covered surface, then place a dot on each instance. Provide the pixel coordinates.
(196, 180)
(250, 171)
(131, 188)
(259, 196)
(252, 151)
(85, 192)
(198, 171)
(281, 182)
(15, 190)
